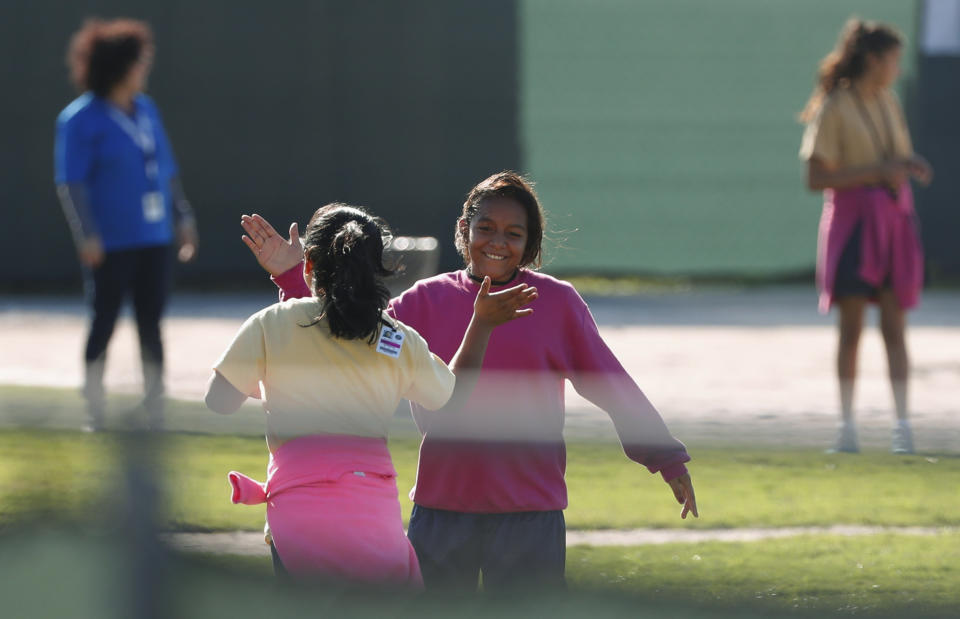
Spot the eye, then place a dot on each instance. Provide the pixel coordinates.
(516, 235)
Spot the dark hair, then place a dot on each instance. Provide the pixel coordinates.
(510, 185)
(345, 245)
(102, 52)
(848, 59)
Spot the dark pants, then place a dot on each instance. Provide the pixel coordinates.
(145, 274)
(516, 552)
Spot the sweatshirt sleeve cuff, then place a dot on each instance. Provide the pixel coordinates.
(673, 471)
(291, 283)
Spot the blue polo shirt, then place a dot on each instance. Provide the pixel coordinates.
(128, 186)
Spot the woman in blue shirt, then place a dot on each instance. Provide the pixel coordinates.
(118, 183)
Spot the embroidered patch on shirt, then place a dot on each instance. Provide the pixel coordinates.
(391, 342)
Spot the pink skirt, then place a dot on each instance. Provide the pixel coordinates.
(333, 511)
(890, 249)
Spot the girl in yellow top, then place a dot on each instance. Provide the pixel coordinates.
(858, 152)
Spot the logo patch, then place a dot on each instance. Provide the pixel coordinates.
(390, 342)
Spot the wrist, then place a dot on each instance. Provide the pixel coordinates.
(480, 325)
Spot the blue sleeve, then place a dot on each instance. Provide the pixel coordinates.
(72, 151)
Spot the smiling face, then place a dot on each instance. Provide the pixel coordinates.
(496, 238)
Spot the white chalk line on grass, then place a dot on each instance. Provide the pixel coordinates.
(251, 543)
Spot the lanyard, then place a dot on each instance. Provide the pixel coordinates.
(878, 142)
(141, 132)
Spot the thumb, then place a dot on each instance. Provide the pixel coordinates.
(294, 233)
(485, 286)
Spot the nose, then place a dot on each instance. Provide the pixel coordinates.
(499, 240)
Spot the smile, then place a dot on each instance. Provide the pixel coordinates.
(493, 257)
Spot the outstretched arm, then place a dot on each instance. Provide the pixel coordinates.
(599, 377)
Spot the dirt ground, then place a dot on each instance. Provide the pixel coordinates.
(726, 366)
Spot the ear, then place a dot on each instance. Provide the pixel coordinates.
(463, 227)
(308, 272)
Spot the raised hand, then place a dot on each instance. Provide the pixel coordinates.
(496, 308)
(683, 491)
(274, 253)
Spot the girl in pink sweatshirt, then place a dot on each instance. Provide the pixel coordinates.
(490, 484)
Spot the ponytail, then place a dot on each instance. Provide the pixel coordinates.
(848, 59)
(345, 246)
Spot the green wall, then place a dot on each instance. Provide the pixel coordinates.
(663, 134)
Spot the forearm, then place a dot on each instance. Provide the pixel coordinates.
(76, 208)
(291, 283)
(844, 178)
(643, 434)
(182, 210)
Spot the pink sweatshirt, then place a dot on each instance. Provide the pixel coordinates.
(889, 243)
(504, 452)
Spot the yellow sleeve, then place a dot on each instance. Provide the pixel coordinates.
(432, 382)
(821, 139)
(243, 363)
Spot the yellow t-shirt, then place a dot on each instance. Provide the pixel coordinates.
(314, 383)
(841, 135)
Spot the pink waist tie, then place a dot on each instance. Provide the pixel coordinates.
(890, 248)
(333, 511)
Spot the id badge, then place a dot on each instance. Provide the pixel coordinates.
(153, 210)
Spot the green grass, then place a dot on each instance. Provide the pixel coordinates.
(52, 470)
(883, 575)
(70, 472)
(887, 575)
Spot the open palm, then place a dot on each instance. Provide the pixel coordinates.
(274, 253)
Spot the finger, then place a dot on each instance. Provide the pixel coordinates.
(523, 312)
(677, 493)
(485, 287)
(264, 224)
(515, 294)
(691, 497)
(249, 243)
(509, 292)
(249, 227)
(257, 231)
(294, 234)
(523, 298)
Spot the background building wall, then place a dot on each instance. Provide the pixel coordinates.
(664, 134)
